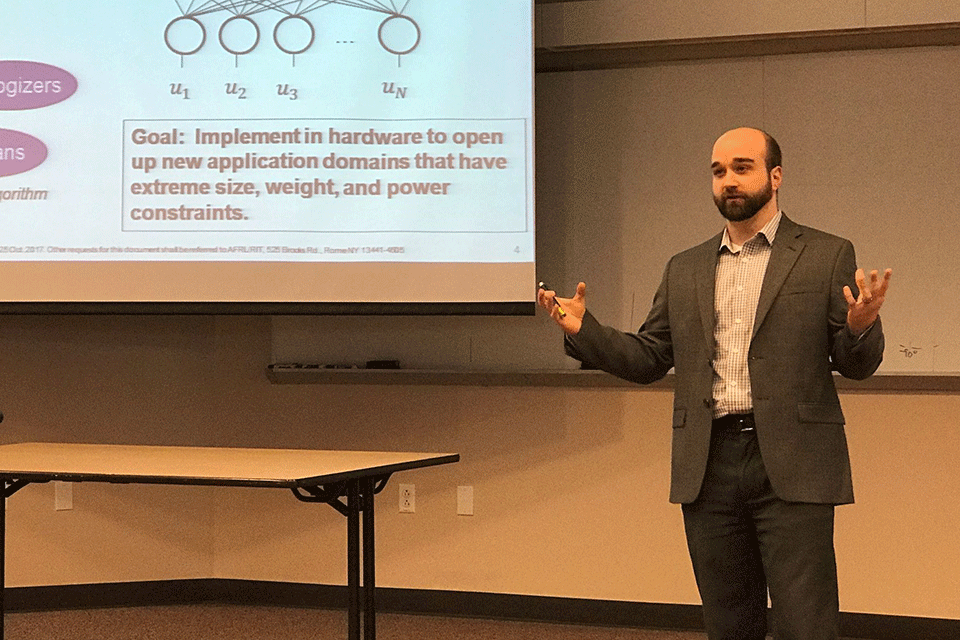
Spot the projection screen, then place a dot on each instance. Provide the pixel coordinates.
(345, 155)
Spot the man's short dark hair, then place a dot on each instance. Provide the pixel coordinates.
(774, 157)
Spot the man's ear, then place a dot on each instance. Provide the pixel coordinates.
(776, 177)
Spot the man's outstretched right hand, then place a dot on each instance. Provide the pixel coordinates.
(567, 312)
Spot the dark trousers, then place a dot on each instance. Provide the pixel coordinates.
(744, 541)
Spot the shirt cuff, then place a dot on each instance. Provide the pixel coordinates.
(863, 334)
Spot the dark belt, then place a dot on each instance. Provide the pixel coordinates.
(734, 423)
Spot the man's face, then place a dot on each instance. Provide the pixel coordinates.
(741, 183)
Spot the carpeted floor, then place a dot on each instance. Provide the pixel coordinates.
(229, 622)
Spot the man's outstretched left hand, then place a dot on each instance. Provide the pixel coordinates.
(863, 310)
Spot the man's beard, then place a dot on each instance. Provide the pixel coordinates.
(747, 207)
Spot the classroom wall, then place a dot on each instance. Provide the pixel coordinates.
(570, 484)
(564, 23)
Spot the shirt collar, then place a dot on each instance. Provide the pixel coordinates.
(769, 232)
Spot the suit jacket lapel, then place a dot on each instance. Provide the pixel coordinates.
(706, 286)
(784, 253)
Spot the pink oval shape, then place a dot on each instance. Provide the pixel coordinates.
(20, 152)
(32, 85)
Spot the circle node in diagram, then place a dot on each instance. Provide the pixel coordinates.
(183, 30)
(399, 34)
(237, 30)
(294, 34)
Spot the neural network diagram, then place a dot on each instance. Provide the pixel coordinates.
(239, 31)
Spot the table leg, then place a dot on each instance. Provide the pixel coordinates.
(7, 489)
(369, 568)
(3, 556)
(359, 493)
(353, 560)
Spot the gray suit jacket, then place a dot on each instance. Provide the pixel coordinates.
(799, 338)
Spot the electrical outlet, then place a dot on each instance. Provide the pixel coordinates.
(408, 498)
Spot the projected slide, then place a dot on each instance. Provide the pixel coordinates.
(271, 132)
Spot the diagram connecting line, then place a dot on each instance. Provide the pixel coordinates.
(289, 7)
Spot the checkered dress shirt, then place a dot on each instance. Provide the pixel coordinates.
(740, 274)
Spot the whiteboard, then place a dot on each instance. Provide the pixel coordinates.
(871, 149)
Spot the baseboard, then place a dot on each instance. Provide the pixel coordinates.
(432, 602)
